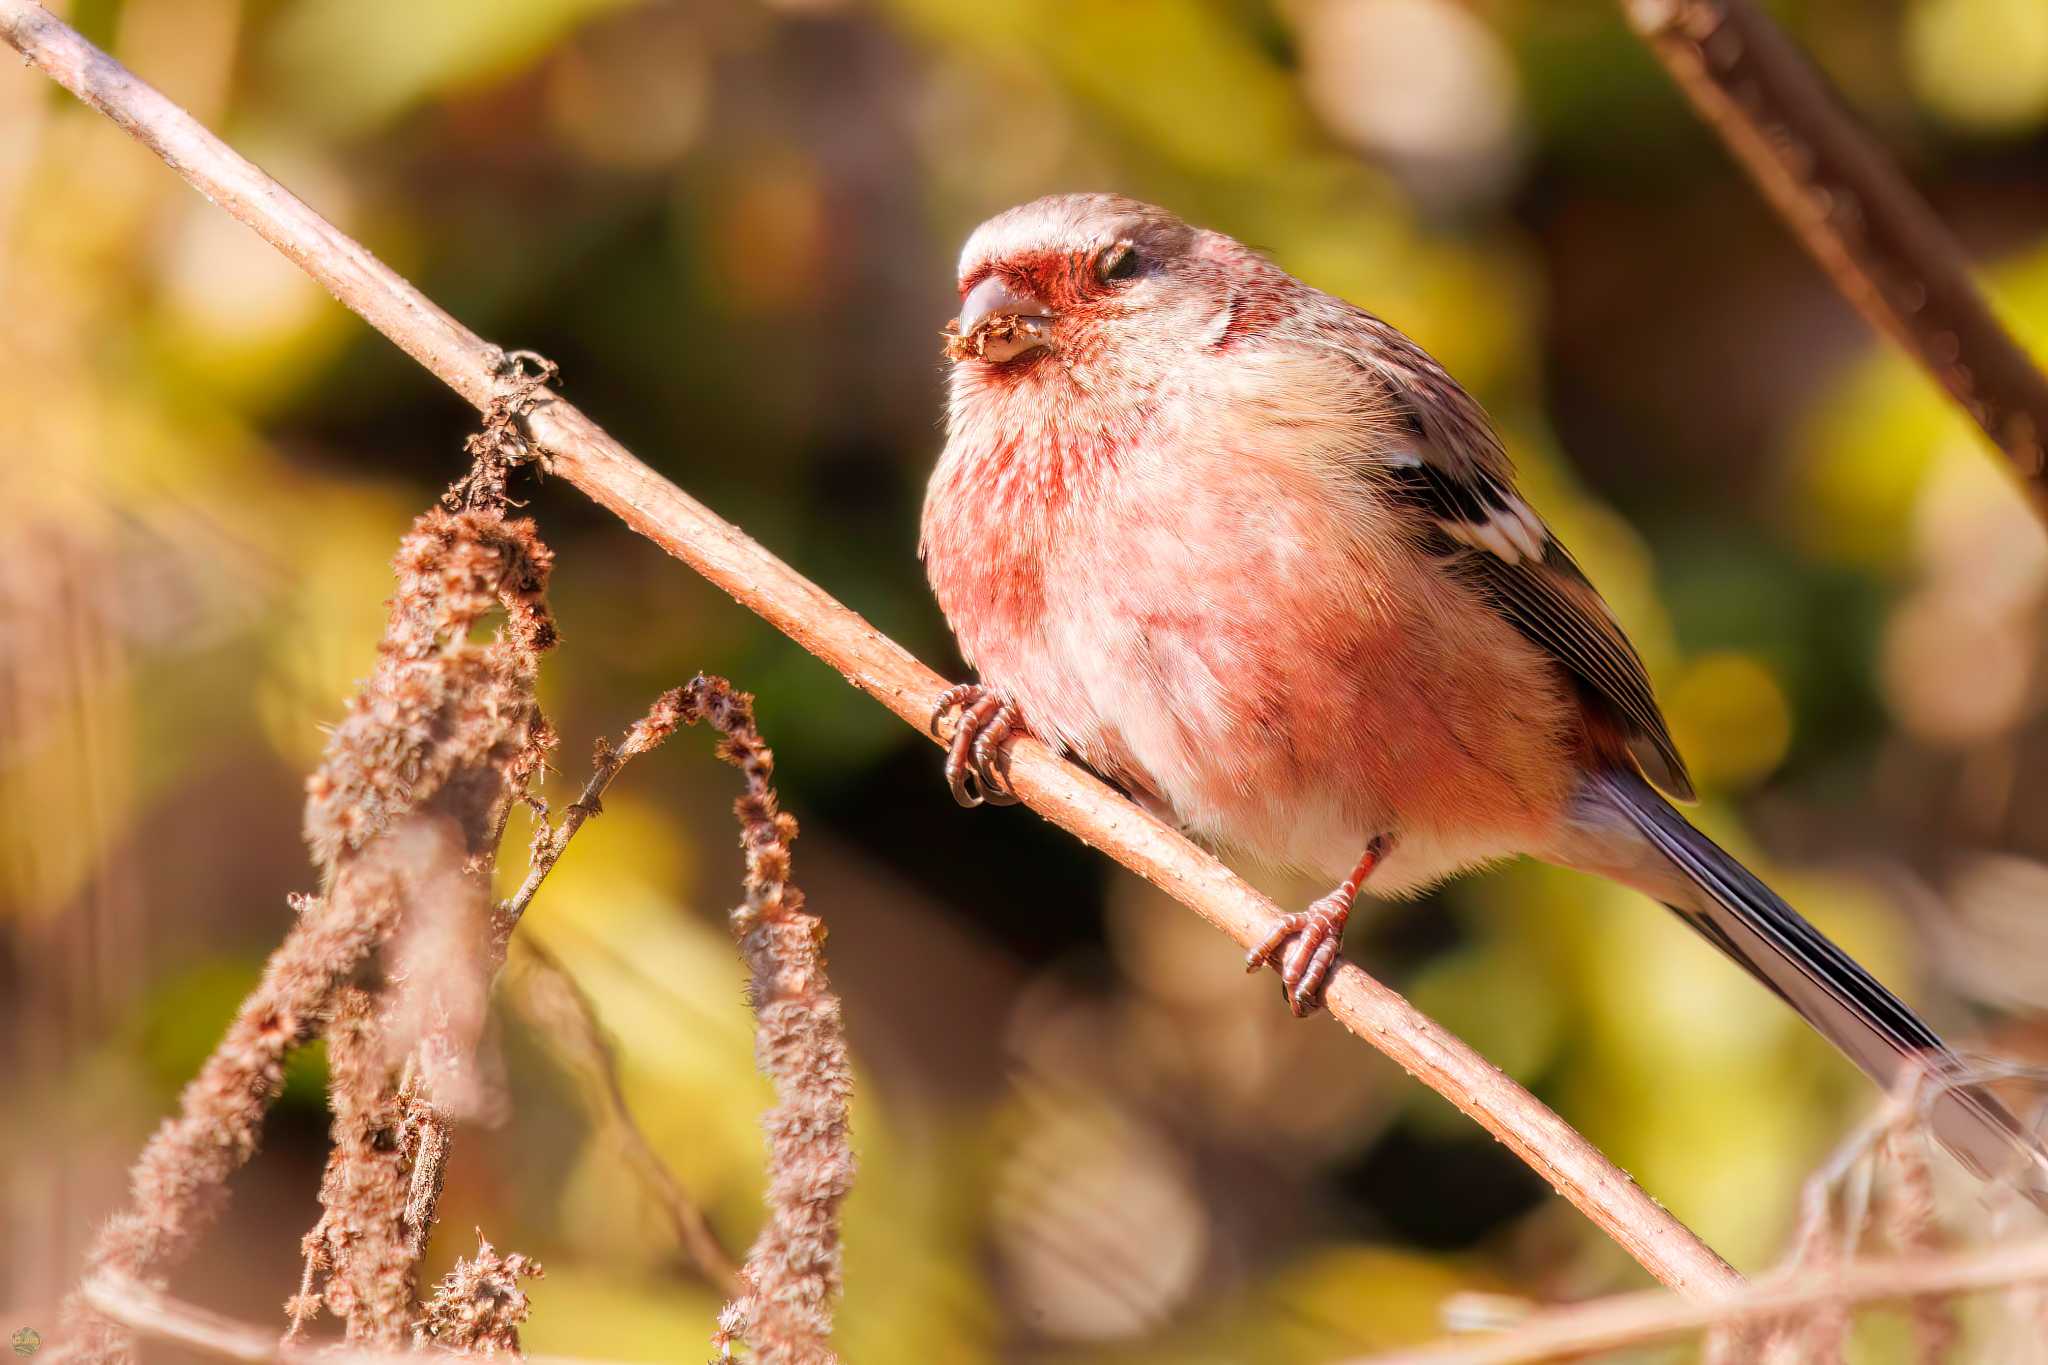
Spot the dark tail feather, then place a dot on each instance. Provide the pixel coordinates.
(1746, 920)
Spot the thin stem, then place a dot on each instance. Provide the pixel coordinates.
(646, 733)
(1625, 1320)
(548, 849)
(584, 454)
(558, 1005)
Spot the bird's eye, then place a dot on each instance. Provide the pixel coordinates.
(1116, 263)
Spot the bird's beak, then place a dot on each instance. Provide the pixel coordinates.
(999, 323)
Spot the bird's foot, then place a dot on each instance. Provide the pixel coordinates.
(1303, 946)
(975, 758)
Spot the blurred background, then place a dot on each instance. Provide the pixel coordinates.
(1084, 1134)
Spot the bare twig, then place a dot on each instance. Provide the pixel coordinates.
(647, 733)
(1637, 1319)
(1853, 211)
(566, 1020)
(792, 1275)
(1877, 1180)
(584, 454)
(151, 1313)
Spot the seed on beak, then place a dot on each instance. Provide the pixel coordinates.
(998, 323)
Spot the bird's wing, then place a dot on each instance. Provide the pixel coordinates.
(1450, 469)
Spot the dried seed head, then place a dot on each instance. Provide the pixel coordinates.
(438, 705)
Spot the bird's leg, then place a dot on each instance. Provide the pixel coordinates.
(974, 759)
(1303, 946)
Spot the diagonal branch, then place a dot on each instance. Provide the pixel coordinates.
(583, 453)
(1853, 211)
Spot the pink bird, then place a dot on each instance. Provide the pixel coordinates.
(1252, 555)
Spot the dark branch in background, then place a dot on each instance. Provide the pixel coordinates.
(581, 452)
(1854, 212)
(792, 1275)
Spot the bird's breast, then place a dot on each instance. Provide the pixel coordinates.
(1245, 632)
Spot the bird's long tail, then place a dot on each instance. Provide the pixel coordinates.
(1746, 920)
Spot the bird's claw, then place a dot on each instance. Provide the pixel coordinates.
(1303, 948)
(975, 759)
(959, 695)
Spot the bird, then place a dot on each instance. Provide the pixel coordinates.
(1255, 558)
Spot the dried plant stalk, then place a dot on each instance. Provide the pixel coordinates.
(401, 816)
(444, 736)
(792, 1275)
(647, 733)
(438, 716)
(1820, 1334)
(179, 1183)
(361, 1242)
(1910, 1226)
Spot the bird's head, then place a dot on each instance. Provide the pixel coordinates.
(1085, 294)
